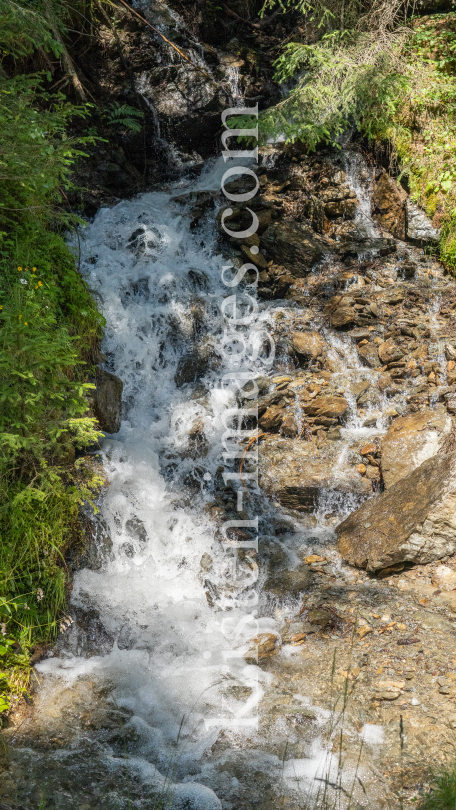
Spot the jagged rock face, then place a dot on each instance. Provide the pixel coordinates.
(411, 440)
(108, 401)
(413, 521)
(388, 201)
(295, 473)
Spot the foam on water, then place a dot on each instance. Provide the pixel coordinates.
(171, 650)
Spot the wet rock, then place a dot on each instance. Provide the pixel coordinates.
(194, 364)
(389, 352)
(420, 230)
(341, 208)
(272, 418)
(369, 355)
(308, 345)
(284, 583)
(411, 440)
(262, 646)
(340, 311)
(354, 248)
(294, 245)
(413, 521)
(319, 616)
(296, 472)
(198, 443)
(256, 258)
(328, 406)
(290, 426)
(388, 201)
(315, 211)
(108, 400)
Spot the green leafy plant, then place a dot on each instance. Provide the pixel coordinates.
(123, 115)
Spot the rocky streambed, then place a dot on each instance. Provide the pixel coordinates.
(353, 693)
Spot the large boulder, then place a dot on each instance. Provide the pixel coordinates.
(411, 440)
(388, 201)
(412, 521)
(108, 400)
(297, 473)
(294, 245)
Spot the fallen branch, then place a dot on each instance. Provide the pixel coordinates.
(262, 24)
(65, 56)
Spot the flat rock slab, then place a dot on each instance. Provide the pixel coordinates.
(411, 440)
(296, 472)
(412, 521)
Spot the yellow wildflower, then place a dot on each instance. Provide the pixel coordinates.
(25, 323)
(1, 307)
(36, 286)
(19, 269)
(20, 316)
(40, 284)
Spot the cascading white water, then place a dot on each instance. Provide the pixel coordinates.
(171, 651)
(360, 178)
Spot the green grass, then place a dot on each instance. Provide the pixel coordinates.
(443, 793)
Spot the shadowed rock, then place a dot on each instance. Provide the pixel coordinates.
(108, 401)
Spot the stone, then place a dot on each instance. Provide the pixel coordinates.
(420, 230)
(295, 472)
(256, 258)
(368, 353)
(412, 521)
(411, 440)
(319, 616)
(272, 418)
(284, 583)
(290, 426)
(262, 646)
(194, 364)
(294, 245)
(388, 202)
(389, 352)
(340, 312)
(341, 208)
(307, 344)
(108, 400)
(444, 578)
(326, 406)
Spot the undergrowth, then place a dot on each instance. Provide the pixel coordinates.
(367, 68)
(49, 332)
